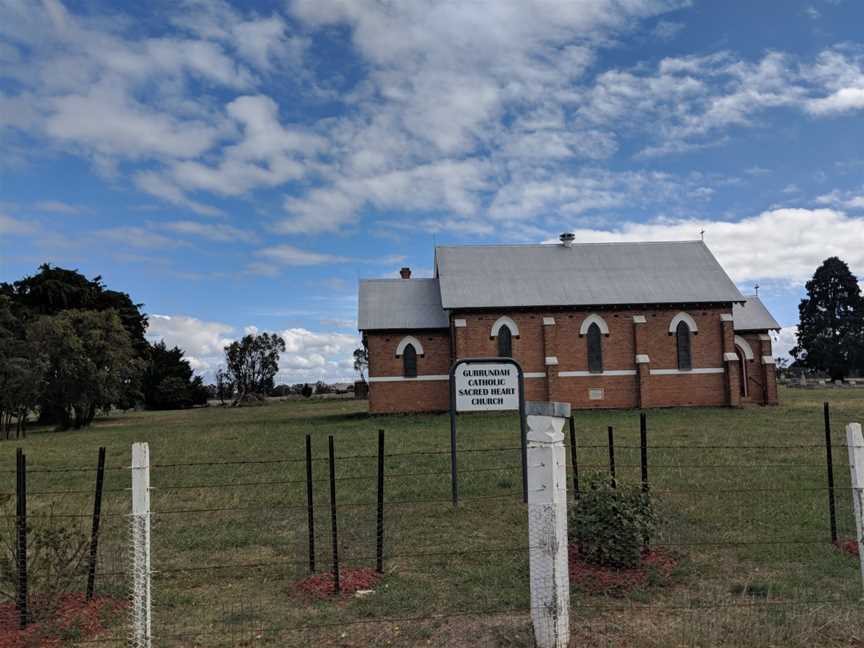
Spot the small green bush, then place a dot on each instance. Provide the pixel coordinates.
(610, 526)
(56, 560)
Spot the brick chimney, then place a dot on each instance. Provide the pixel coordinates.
(405, 273)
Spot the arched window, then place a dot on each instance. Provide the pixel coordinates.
(409, 361)
(505, 342)
(595, 348)
(682, 340)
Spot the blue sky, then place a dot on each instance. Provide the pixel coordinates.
(239, 166)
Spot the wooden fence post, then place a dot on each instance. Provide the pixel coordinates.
(855, 443)
(547, 524)
(140, 609)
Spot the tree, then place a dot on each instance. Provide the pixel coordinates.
(831, 321)
(361, 361)
(91, 364)
(53, 291)
(22, 367)
(253, 363)
(168, 381)
(224, 386)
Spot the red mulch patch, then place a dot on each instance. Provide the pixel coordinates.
(609, 580)
(75, 618)
(350, 580)
(847, 545)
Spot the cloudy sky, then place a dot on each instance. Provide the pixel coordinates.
(239, 166)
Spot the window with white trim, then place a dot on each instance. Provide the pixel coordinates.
(682, 343)
(409, 361)
(505, 342)
(594, 339)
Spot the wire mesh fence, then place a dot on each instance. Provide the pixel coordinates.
(367, 549)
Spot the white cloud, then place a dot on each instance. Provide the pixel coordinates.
(94, 85)
(667, 29)
(211, 231)
(57, 207)
(312, 356)
(267, 155)
(161, 187)
(138, 237)
(293, 256)
(851, 200)
(10, 226)
(782, 244)
(261, 41)
(196, 337)
(309, 356)
(556, 195)
(783, 341)
(107, 120)
(843, 101)
(467, 114)
(441, 80)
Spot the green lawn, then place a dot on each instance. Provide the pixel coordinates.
(749, 525)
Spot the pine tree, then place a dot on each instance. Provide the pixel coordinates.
(831, 321)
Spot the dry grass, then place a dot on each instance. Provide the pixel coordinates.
(726, 512)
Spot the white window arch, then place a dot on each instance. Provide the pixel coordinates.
(744, 346)
(504, 321)
(594, 318)
(405, 341)
(682, 317)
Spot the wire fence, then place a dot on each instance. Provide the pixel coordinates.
(756, 545)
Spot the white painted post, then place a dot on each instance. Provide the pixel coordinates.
(547, 528)
(140, 525)
(855, 443)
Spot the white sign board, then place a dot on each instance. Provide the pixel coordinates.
(486, 386)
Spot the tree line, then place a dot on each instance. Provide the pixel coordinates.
(71, 348)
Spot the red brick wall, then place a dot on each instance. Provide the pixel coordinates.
(535, 342)
(474, 339)
(761, 378)
(408, 395)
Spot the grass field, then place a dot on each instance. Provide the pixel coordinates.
(749, 525)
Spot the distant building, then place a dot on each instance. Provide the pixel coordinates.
(598, 325)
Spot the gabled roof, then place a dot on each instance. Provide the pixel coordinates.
(753, 316)
(588, 274)
(400, 304)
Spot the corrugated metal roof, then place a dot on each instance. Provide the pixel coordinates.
(588, 274)
(753, 316)
(400, 304)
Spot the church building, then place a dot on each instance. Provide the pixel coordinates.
(597, 325)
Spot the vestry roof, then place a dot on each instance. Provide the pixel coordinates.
(400, 304)
(588, 274)
(753, 316)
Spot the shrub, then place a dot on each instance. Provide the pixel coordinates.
(56, 561)
(307, 390)
(610, 525)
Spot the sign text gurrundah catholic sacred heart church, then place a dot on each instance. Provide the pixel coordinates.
(486, 386)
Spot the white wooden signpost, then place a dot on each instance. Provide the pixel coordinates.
(486, 385)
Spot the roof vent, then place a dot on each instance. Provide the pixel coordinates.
(567, 239)
(405, 273)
